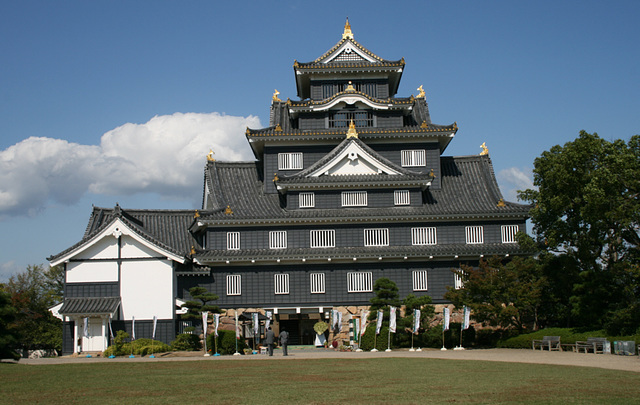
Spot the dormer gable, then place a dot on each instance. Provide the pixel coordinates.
(353, 159)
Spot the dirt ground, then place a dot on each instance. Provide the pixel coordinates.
(607, 361)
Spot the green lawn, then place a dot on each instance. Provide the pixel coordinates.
(336, 381)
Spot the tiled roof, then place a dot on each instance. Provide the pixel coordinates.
(362, 132)
(167, 229)
(89, 306)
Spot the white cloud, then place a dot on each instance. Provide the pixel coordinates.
(513, 179)
(165, 155)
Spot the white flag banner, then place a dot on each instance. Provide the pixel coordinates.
(85, 327)
(392, 319)
(445, 319)
(363, 321)
(256, 324)
(205, 316)
(416, 321)
(334, 318)
(268, 323)
(155, 323)
(379, 322)
(356, 327)
(110, 329)
(216, 322)
(237, 328)
(133, 327)
(465, 324)
(339, 321)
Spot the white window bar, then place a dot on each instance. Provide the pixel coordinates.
(234, 284)
(401, 197)
(277, 239)
(322, 238)
(361, 281)
(233, 240)
(419, 280)
(281, 283)
(413, 158)
(474, 235)
(509, 233)
(426, 235)
(317, 283)
(354, 198)
(306, 200)
(457, 281)
(290, 161)
(376, 237)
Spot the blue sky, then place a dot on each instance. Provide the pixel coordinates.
(113, 101)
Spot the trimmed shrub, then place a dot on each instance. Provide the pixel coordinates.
(226, 342)
(140, 347)
(368, 339)
(186, 342)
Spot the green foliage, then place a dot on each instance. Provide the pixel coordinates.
(139, 347)
(381, 342)
(226, 342)
(505, 295)
(567, 336)
(386, 294)
(404, 330)
(320, 327)
(8, 334)
(186, 342)
(586, 207)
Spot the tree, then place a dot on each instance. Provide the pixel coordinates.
(8, 334)
(199, 303)
(386, 294)
(586, 206)
(32, 293)
(505, 295)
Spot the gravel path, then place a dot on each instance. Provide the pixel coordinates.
(607, 361)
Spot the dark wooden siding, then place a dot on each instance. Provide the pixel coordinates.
(73, 290)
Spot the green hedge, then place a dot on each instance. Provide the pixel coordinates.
(567, 335)
(140, 347)
(186, 342)
(226, 342)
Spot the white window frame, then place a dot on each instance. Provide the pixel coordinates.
(413, 158)
(316, 281)
(457, 281)
(474, 235)
(359, 281)
(424, 235)
(420, 280)
(290, 161)
(281, 283)
(306, 200)
(320, 239)
(233, 240)
(376, 237)
(508, 233)
(401, 197)
(354, 198)
(277, 239)
(234, 284)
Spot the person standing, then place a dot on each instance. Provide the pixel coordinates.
(284, 341)
(270, 339)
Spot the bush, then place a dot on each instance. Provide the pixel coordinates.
(368, 339)
(433, 337)
(186, 342)
(226, 342)
(567, 336)
(140, 347)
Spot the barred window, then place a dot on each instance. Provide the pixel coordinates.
(376, 237)
(424, 236)
(322, 239)
(401, 197)
(281, 283)
(233, 240)
(509, 233)
(413, 158)
(361, 281)
(277, 239)
(354, 198)
(306, 200)
(317, 283)
(474, 235)
(457, 281)
(419, 280)
(290, 161)
(342, 119)
(234, 284)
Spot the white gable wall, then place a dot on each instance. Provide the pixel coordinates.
(146, 289)
(92, 272)
(131, 248)
(105, 248)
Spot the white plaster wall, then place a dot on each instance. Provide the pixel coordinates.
(105, 248)
(92, 272)
(133, 248)
(146, 289)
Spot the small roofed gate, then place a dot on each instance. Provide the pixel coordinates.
(94, 338)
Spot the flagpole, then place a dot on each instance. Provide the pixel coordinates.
(236, 353)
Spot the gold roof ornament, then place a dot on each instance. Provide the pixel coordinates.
(210, 155)
(350, 87)
(485, 150)
(275, 177)
(228, 211)
(193, 250)
(196, 215)
(275, 96)
(424, 124)
(501, 203)
(421, 93)
(278, 128)
(352, 133)
(432, 174)
(347, 34)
